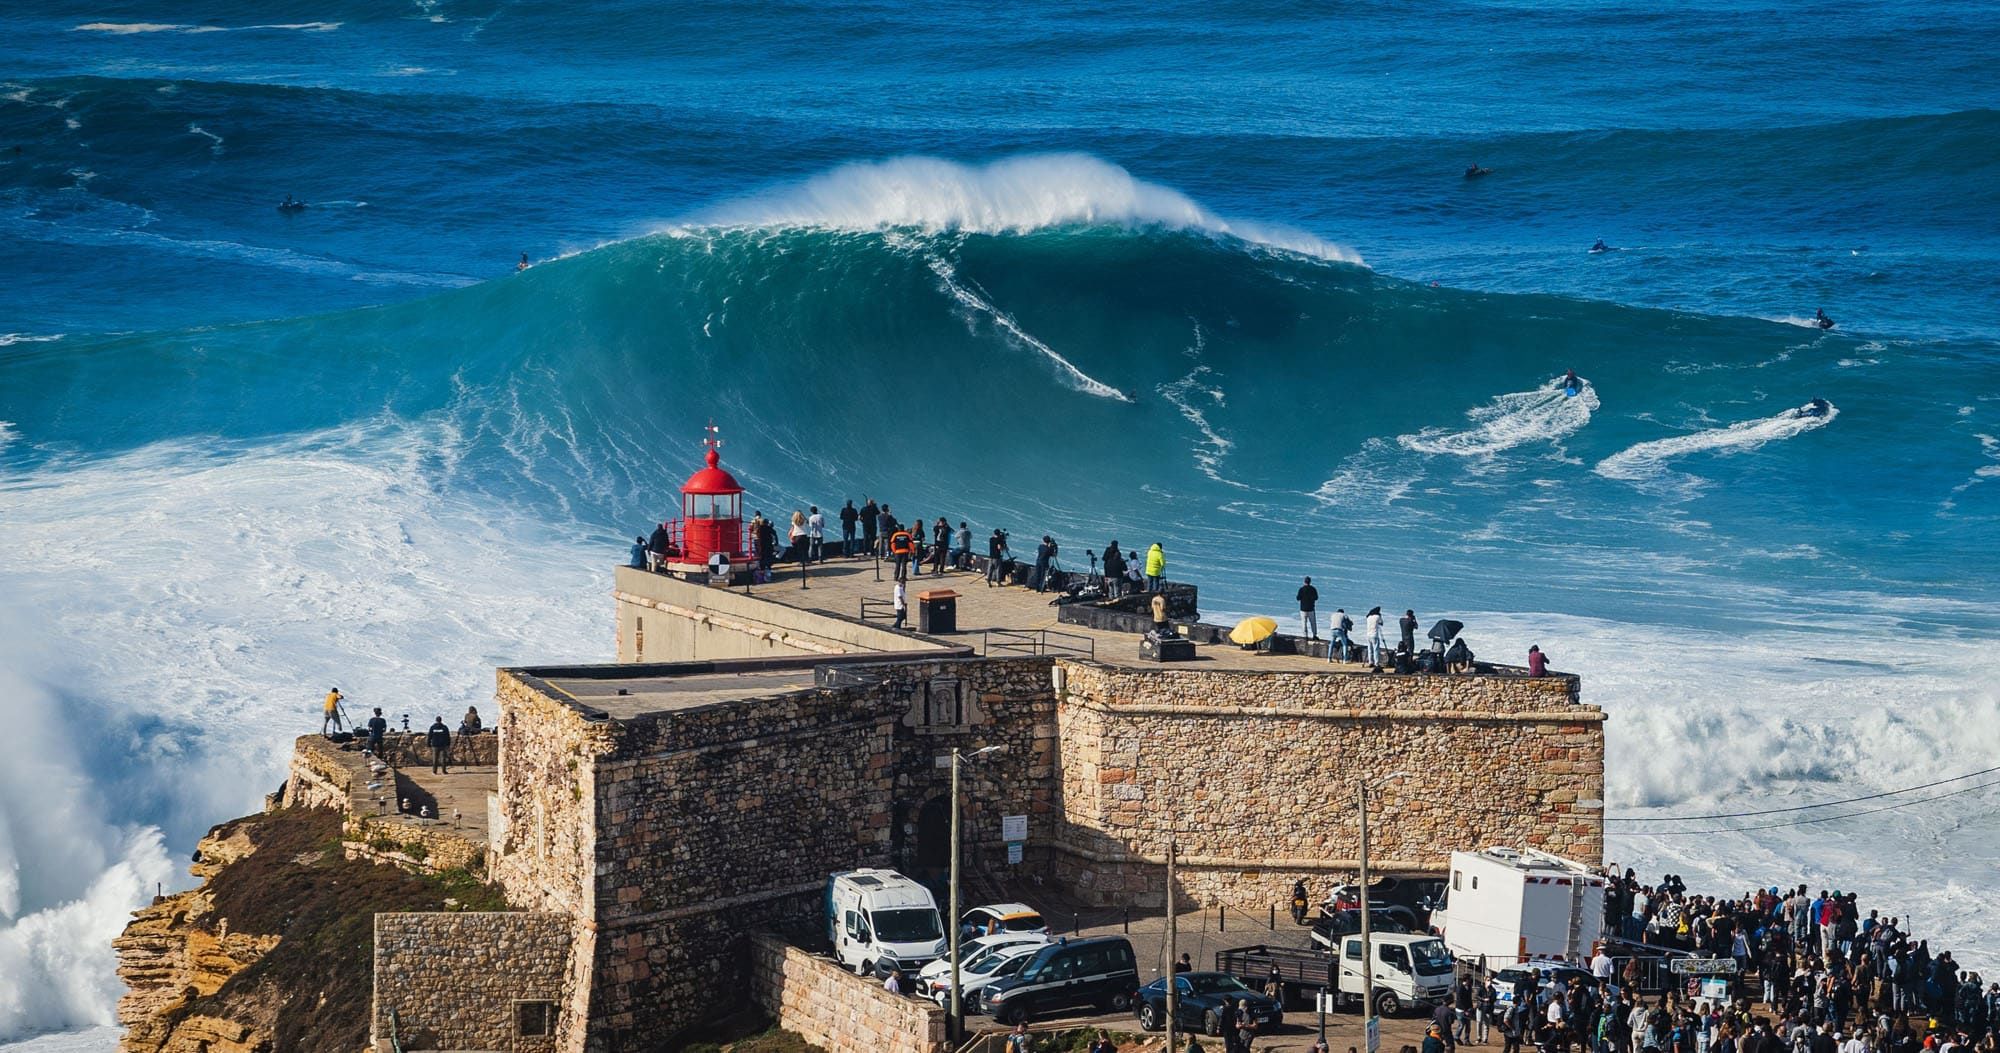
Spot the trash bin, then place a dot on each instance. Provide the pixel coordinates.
(937, 611)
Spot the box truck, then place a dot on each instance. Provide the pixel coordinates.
(1507, 905)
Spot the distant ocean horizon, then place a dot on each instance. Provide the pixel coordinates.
(1210, 275)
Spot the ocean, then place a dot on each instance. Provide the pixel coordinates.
(1211, 275)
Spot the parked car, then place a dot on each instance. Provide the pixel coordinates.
(973, 948)
(1409, 900)
(1334, 924)
(1098, 972)
(1544, 972)
(1199, 1000)
(1000, 917)
(997, 963)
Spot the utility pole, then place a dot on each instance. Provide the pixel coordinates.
(1173, 951)
(956, 1024)
(1368, 1024)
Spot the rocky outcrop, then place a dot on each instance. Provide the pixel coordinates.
(178, 950)
(273, 950)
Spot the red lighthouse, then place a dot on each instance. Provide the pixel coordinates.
(711, 511)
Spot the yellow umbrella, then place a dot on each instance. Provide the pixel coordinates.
(1253, 630)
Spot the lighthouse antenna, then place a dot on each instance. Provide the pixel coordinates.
(714, 439)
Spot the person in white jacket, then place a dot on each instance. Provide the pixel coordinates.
(1374, 629)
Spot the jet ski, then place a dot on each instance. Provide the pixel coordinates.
(1474, 172)
(1572, 385)
(289, 206)
(1602, 247)
(1815, 408)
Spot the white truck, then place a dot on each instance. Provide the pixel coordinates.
(879, 921)
(1506, 905)
(1412, 970)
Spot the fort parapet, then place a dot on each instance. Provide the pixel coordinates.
(749, 744)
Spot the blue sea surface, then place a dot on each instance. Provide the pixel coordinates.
(1206, 274)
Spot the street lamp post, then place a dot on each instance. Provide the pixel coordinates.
(957, 1021)
(1368, 1025)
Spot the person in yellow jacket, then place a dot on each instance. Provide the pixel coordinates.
(330, 717)
(1156, 565)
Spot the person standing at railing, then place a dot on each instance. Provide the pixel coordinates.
(816, 535)
(1308, 600)
(849, 516)
(637, 561)
(330, 720)
(940, 545)
(1156, 567)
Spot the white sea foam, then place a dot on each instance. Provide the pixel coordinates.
(1710, 722)
(9, 339)
(1015, 195)
(169, 615)
(1510, 420)
(1648, 460)
(214, 140)
(1188, 395)
(951, 283)
(131, 28)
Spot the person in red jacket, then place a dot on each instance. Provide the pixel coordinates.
(1538, 663)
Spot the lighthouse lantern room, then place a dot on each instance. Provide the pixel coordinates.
(711, 511)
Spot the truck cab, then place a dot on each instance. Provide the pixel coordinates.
(879, 921)
(1411, 971)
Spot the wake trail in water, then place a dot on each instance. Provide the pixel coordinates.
(1514, 419)
(1647, 461)
(1185, 394)
(972, 301)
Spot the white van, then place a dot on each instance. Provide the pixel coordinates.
(879, 921)
(1510, 905)
(1412, 971)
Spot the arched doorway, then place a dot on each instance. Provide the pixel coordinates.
(931, 855)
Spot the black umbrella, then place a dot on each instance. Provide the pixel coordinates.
(1445, 630)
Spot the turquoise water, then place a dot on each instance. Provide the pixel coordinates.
(1210, 275)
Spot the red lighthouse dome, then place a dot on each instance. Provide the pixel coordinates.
(711, 509)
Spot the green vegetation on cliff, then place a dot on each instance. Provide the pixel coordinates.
(311, 992)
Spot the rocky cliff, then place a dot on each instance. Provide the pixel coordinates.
(273, 950)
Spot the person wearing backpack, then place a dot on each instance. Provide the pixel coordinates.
(1342, 625)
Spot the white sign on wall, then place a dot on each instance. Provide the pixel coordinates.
(1013, 851)
(1013, 828)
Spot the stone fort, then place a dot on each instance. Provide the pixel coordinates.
(654, 816)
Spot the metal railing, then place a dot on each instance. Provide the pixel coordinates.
(884, 610)
(1036, 642)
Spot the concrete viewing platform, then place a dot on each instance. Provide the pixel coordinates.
(995, 621)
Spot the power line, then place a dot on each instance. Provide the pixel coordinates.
(1819, 818)
(1799, 807)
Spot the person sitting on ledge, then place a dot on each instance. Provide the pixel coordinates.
(470, 724)
(1538, 663)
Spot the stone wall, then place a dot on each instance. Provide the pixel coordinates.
(1258, 770)
(316, 777)
(469, 751)
(453, 979)
(543, 851)
(427, 845)
(718, 817)
(836, 1010)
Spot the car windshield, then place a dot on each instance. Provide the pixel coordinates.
(907, 925)
(1430, 957)
(1217, 984)
(988, 962)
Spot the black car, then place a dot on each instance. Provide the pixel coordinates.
(1333, 924)
(1098, 972)
(1200, 1003)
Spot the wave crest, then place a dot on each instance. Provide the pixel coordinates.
(1014, 195)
